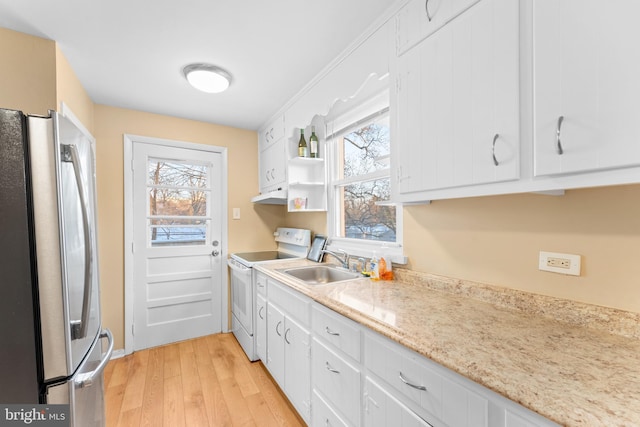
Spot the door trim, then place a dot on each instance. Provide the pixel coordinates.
(129, 141)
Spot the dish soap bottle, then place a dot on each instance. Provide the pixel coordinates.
(375, 272)
(385, 268)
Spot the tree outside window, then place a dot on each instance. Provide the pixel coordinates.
(363, 182)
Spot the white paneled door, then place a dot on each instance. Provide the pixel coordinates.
(177, 229)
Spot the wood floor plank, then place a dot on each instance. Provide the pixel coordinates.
(113, 402)
(130, 418)
(238, 408)
(195, 412)
(171, 361)
(188, 365)
(217, 411)
(173, 402)
(120, 372)
(260, 411)
(134, 393)
(152, 404)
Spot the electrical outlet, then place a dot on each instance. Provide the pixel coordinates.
(559, 263)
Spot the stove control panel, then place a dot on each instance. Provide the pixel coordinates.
(293, 236)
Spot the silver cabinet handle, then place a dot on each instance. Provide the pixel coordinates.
(260, 312)
(426, 8)
(418, 387)
(285, 336)
(330, 369)
(558, 130)
(493, 149)
(330, 332)
(277, 331)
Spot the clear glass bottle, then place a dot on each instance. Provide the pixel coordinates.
(303, 150)
(313, 142)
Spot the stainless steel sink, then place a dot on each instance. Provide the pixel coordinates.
(320, 274)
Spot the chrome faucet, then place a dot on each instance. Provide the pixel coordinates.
(343, 257)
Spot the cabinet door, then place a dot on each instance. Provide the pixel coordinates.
(586, 68)
(297, 376)
(458, 102)
(261, 328)
(382, 410)
(275, 343)
(273, 167)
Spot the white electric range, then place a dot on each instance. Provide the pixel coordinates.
(292, 243)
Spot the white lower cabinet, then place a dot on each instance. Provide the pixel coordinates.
(337, 380)
(381, 409)
(288, 345)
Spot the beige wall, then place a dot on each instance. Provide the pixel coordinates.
(252, 231)
(70, 91)
(28, 73)
(496, 240)
(314, 221)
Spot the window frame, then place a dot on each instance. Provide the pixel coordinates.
(337, 126)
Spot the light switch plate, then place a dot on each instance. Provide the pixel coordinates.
(236, 213)
(560, 263)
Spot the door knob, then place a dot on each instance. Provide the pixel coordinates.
(215, 252)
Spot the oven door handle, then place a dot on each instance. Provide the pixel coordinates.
(238, 268)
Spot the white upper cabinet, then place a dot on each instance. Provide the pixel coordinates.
(458, 103)
(272, 157)
(587, 85)
(420, 18)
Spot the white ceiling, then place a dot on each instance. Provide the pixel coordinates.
(130, 54)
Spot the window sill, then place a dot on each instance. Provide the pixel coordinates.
(366, 249)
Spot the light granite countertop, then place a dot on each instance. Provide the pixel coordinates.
(575, 364)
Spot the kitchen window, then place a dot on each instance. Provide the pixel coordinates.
(360, 218)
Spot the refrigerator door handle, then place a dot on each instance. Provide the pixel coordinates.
(79, 328)
(87, 379)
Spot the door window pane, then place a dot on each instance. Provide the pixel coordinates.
(178, 195)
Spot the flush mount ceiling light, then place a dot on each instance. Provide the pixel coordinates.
(207, 78)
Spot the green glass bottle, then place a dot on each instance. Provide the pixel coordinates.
(303, 150)
(313, 142)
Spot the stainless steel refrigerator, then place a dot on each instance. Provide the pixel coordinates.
(51, 338)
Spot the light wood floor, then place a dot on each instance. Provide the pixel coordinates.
(203, 382)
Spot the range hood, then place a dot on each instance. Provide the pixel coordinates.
(277, 197)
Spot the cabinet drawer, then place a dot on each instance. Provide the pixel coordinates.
(337, 380)
(381, 409)
(323, 415)
(425, 384)
(341, 332)
(297, 306)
